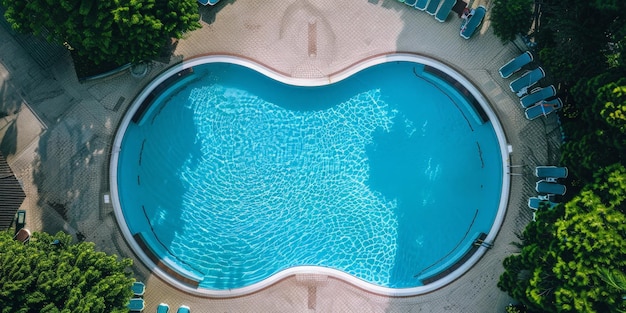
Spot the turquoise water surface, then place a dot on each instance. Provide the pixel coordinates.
(388, 175)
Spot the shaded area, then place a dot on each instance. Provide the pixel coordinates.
(157, 91)
(458, 264)
(44, 53)
(11, 194)
(458, 86)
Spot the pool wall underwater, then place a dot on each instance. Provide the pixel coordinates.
(157, 261)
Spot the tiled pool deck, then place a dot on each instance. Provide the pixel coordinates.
(56, 134)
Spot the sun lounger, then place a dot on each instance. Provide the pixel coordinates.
(138, 288)
(421, 4)
(515, 64)
(522, 83)
(432, 6)
(536, 203)
(543, 108)
(444, 10)
(544, 186)
(537, 95)
(410, 2)
(209, 2)
(183, 309)
(136, 305)
(551, 172)
(471, 25)
(163, 308)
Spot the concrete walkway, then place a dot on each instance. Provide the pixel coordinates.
(56, 134)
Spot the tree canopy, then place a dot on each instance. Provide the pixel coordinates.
(64, 277)
(573, 258)
(511, 17)
(564, 252)
(119, 31)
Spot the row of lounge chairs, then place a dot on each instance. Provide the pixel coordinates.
(441, 9)
(137, 303)
(438, 8)
(548, 187)
(165, 308)
(539, 101)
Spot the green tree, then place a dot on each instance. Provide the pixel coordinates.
(558, 268)
(118, 31)
(597, 133)
(511, 17)
(64, 277)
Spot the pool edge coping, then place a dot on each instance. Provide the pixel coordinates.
(310, 82)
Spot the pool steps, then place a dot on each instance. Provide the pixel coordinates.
(449, 267)
(146, 107)
(166, 261)
(472, 105)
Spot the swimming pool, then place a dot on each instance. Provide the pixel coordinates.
(387, 173)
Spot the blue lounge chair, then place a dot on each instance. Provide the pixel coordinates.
(163, 308)
(551, 172)
(471, 25)
(209, 2)
(546, 187)
(183, 309)
(515, 64)
(521, 84)
(543, 108)
(536, 203)
(432, 6)
(136, 305)
(138, 288)
(410, 2)
(537, 95)
(421, 4)
(444, 10)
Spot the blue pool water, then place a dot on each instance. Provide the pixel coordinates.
(388, 175)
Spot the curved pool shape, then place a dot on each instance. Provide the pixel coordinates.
(229, 176)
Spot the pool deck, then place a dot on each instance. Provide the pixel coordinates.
(56, 134)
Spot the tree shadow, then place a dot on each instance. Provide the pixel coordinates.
(65, 171)
(10, 106)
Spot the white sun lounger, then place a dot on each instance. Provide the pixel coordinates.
(546, 187)
(543, 108)
(444, 10)
(535, 203)
(515, 64)
(471, 25)
(537, 95)
(421, 4)
(432, 6)
(550, 171)
(522, 83)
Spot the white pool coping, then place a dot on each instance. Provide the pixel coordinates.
(311, 270)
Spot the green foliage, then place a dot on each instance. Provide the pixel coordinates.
(612, 100)
(514, 309)
(558, 267)
(596, 133)
(41, 277)
(118, 31)
(511, 17)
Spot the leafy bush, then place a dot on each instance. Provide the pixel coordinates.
(62, 277)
